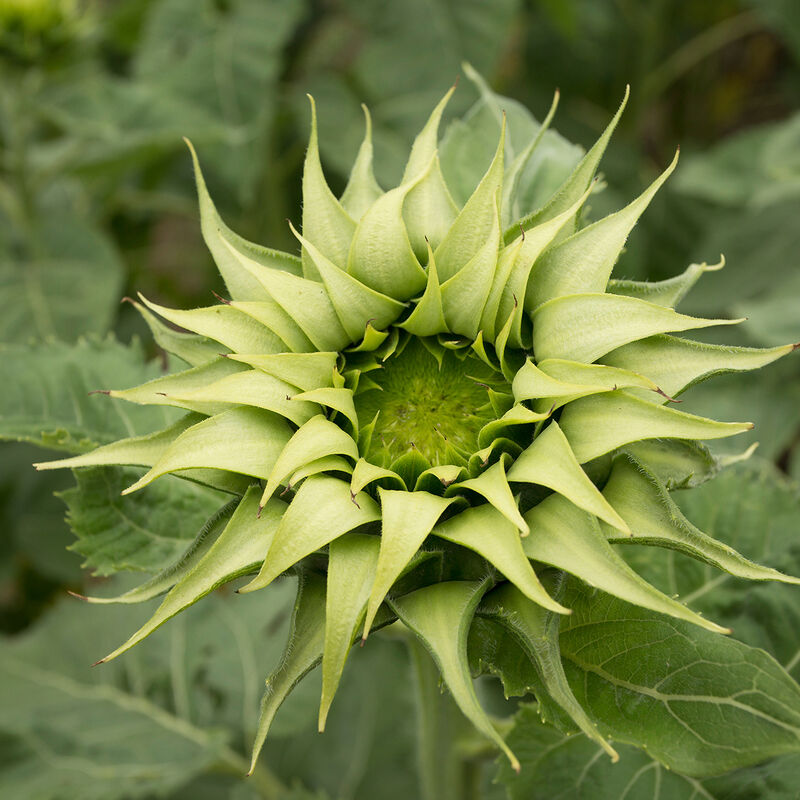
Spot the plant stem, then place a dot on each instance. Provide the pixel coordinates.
(445, 773)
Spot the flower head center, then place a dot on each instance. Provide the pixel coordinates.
(434, 405)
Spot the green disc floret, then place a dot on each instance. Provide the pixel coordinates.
(436, 408)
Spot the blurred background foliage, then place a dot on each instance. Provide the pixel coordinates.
(97, 201)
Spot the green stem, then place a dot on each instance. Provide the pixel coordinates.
(263, 780)
(445, 771)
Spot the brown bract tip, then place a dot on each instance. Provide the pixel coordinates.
(75, 594)
(796, 346)
(221, 299)
(99, 391)
(97, 663)
(355, 502)
(128, 300)
(660, 391)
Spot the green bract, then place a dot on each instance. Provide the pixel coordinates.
(430, 414)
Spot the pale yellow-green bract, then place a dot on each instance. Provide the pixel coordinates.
(427, 380)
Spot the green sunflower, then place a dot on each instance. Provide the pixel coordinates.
(430, 416)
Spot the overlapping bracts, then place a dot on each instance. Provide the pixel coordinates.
(429, 413)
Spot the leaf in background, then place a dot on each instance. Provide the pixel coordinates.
(59, 277)
(139, 531)
(222, 60)
(128, 730)
(46, 399)
(110, 125)
(756, 511)
(397, 66)
(753, 168)
(683, 694)
(748, 507)
(557, 767)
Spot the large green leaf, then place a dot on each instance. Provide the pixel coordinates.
(72, 733)
(222, 62)
(134, 532)
(558, 767)
(690, 700)
(46, 400)
(60, 279)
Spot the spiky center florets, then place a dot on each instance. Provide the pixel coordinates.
(434, 406)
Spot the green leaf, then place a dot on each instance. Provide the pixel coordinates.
(322, 510)
(305, 370)
(362, 189)
(535, 630)
(564, 381)
(570, 539)
(317, 438)
(381, 255)
(117, 533)
(655, 519)
(225, 324)
(260, 437)
(356, 304)
(584, 327)
(753, 508)
(406, 520)
(253, 388)
(576, 184)
(303, 652)
(514, 266)
(677, 364)
(550, 462)
(365, 473)
(157, 391)
(46, 400)
(222, 241)
(465, 293)
(193, 349)
(678, 464)
(340, 400)
(427, 318)
(668, 292)
(164, 580)
(238, 550)
(352, 560)
(60, 275)
(476, 222)
(440, 616)
(492, 484)
(325, 223)
(688, 702)
(305, 301)
(136, 450)
(487, 532)
(598, 424)
(559, 766)
(130, 746)
(583, 262)
(273, 317)
(429, 210)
